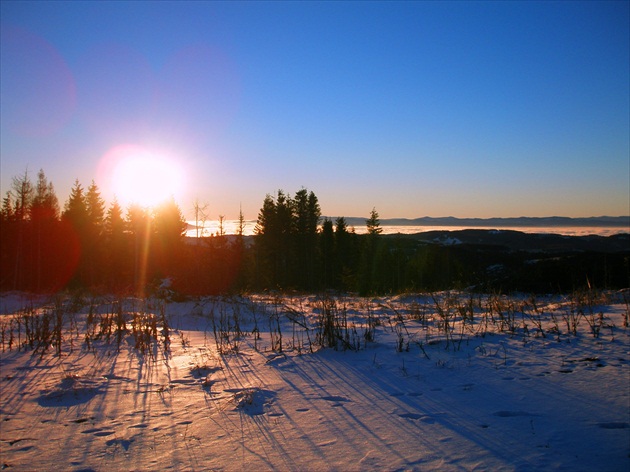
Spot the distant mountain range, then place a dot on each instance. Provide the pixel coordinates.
(552, 221)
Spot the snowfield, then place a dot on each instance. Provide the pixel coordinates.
(448, 381)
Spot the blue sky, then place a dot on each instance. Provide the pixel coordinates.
(415, 108)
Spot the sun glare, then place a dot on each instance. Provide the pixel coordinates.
(145, 178)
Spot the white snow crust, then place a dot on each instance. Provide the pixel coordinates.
(511, 389)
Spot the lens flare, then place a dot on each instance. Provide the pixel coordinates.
(136, 175)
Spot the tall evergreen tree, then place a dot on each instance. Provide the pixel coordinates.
(95, 209)
(286, 240)
(7, 207)
(306, 216)
(115, 224)
(44, 213)
(93, 251)
(372, 251)
(75, 218)
(45, 204)
(75, 209)
(7, 242)
(301, 268)
(139, 224)
(266, 244)
(329, 263)
(346, 254)
(23, 192)
(118, 268)
(170, 227)
(373, 223)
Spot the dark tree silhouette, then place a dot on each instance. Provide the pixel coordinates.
(373, 223)
(286, 241)
(117, 248)
(371, 257)
(139, 224)
(346, 255)
(93, 250)
(170, 227)
(75, 220)
(23, 193)
(44, 214)
(305, 215)
(327, 248)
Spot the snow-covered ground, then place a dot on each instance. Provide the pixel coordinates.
(449, 381)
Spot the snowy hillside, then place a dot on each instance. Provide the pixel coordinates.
(450, 381)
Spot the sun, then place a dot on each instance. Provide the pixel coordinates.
(145, 178)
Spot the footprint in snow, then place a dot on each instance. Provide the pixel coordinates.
(116, 377)
(92, 430)
(81, 420)
(336, 398)
(416, 416)
(125, 443)
(139, 425)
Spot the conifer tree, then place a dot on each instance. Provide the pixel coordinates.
(75, 208)
(266, 246)
(75, 218)
(6, 214)
(44, 213)
(346, 254)
(45, 204)
(95, 209)
(94, 234)
(7, 241)
(23, 191)
(139, 224)
(368, 270)
(327, 244)
(373, 223)
(116, 247)
(170, 227)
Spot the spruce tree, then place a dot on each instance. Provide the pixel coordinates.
(23, 191)
(116, 247)
(75, 218)
(170, 227)
(373, 223)
(329, 264)
(44, 214)
(139, 224)
(368, 269)
(95, 227)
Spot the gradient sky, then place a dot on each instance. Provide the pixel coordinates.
(415, 108)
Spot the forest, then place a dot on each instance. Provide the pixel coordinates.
(107, 249)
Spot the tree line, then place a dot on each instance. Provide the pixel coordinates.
(88, 245)
(46, 248)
